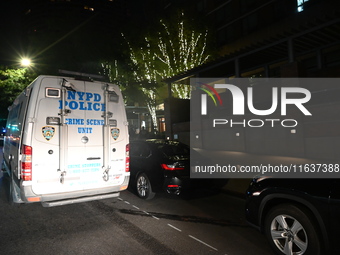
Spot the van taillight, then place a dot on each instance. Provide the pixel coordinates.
(26, 163)
(127, 158)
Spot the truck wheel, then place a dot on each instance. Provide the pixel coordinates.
(11, 193)
(291, 230)
(143, 187)
(9, 189)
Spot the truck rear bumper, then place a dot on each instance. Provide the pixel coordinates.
(79, 200)
(57, 199)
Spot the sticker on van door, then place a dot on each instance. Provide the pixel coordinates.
(48, 132)
(115, 133)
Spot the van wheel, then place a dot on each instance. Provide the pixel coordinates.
(10, 190)
(143, 187)
(291, 230)
(11, 193)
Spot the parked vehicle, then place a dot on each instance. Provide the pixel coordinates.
(297, 216)
(157, 165)
(66, 142)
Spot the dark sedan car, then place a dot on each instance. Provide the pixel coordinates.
(157, 165)
(297, 216)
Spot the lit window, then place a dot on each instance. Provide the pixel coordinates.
(300, 4)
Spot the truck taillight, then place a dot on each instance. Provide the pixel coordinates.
(171, 167)
(26, 163)
(127, 158)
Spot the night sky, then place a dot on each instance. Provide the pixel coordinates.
(12, 46)
(10, 31)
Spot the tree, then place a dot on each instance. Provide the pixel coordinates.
(177, 46)
(12, 82)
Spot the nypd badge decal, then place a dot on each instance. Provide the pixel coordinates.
(115, 133)
(48, 132)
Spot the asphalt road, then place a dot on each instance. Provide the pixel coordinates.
(201, 222)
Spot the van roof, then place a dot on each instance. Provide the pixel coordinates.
(84, 76)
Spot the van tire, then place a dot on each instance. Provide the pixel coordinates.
(10, 190)
(143, 187)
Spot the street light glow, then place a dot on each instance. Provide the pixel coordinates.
(25, 62)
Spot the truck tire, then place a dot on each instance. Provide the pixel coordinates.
(8, 181)
(143, 187)
(291, 230)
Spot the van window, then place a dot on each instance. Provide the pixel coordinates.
(52, 92)
(14, 126)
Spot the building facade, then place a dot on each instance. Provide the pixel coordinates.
(275, 39)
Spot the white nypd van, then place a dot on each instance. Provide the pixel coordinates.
(66, 142)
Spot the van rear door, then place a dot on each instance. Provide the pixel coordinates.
(78, 143)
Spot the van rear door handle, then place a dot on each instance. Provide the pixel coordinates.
(93, 158)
